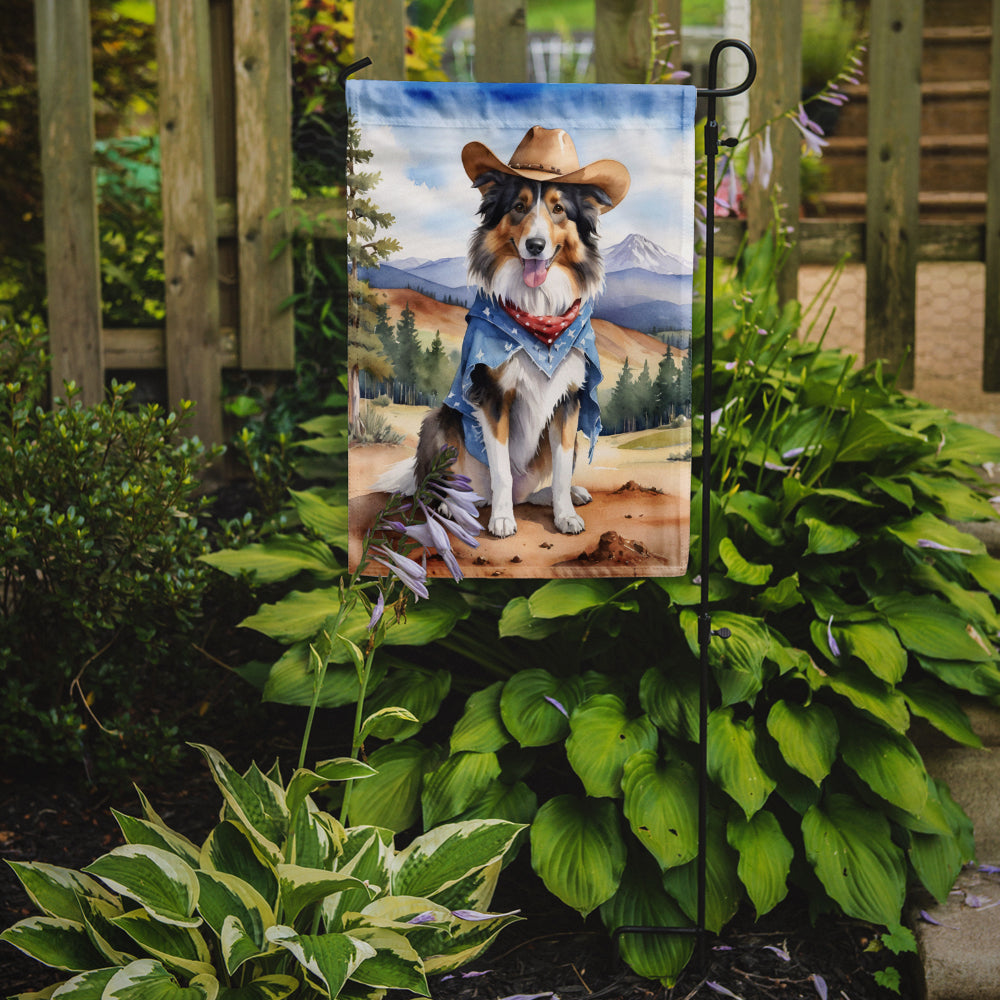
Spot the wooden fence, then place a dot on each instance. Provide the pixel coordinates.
(226, 161)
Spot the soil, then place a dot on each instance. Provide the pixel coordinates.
(551, 952)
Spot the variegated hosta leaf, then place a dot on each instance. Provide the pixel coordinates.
(467, 941)
(300, 887)
(147, 979)
(116, 946)
(807, 736)
(661, 805)
(642, 902)
(476, 890)
(230, 849)
(275, 987)
(158, 880)
(535, 706)
(765, 858)
(304, 782)
(315, 838)
(395, 964)
(54, 941)
(225, 897)
(456, 784)
(86, 986)
(602, 737)
(256, 801)
(177, 947)
(141, 831)
(329, 959)
(578, 851)
(732, 760)
(56, 891)
(481, 727)
(850, 847)
(441, 857)
(367, 853)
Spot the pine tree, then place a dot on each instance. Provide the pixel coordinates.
(644, 399)
(684, 384)
(666, 386)
(620, 406)
(437, 372)
(364, 249)
(408, 350)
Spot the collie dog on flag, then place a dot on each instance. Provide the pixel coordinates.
(527, 382)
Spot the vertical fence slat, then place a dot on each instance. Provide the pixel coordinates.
(380, 34)
(190, 253)
(991, 332)
(621, 40)
(261, 57)
(893, 183)
(776, 35)
(72, 257)
(501, 37)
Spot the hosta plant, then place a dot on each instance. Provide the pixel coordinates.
(279, 900)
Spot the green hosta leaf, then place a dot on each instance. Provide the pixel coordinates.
(159, 881)
(275, 987)
(578, 851)
(456, 784)
(986, 572)
(661, 798)
(941, 709)
(738, 661)
(641, 901)
(827, 539)
(783, 595)
(765, 858)
(141, 831)
(888, 763)
(866, 692)
(876, 646)
(937, 858)
(292, 680)
(330, 959)
(928, 528)
(230, 849)
(304, 782)
(391, 798)
(723, 889)
(807, 736)
(671, 699)
(975, 605)
(965, 443)
(870, 436)
(226, 898)
(931, 628)
(301, 887)
(517, 620)
(443, 856)
(516, 803)
(956, 500)
(279, 558)
(56, 891)
(260, 809)
(738, 569)
(559, 598)
(602, 738)
(481, 728)
(54, 941)
(894, 489)
(180, 948)
(758, 511)
(327, 520)
(850, 847)
(976, 678)
(147, 979)
(417, 690)
(530, 706)
(732, 760)
(395, 964)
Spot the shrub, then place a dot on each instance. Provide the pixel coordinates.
(280, 899)
(854, 604)
(99, 540)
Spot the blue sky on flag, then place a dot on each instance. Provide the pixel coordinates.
(416, 132)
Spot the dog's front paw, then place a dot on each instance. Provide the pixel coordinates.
(502, 527)
(571, 524)
(580, 495)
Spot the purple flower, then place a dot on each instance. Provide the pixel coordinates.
(427, 917)
(377, 612)
(552, 701)
(780, 952)
(761, 163)
(475, 915)
(820, 983)
(927, 543)
(834, 648)
(719, 988)
(811, 132)
(410, 573)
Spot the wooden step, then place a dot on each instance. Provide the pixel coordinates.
(956, 53)
(945, 12)
(958, 206)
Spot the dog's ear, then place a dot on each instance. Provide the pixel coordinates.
(485, 180)
(598, 197)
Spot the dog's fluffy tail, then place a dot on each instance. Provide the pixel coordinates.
(398, 478)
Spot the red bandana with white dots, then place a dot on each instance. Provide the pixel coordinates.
(545, 328)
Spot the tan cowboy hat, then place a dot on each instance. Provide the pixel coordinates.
(548, 154)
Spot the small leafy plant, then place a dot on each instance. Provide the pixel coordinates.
(279, 899)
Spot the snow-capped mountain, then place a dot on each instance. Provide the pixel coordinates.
(638, 251)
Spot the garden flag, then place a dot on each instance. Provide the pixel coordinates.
(520, 269)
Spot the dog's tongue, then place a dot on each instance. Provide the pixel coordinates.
(535, 271)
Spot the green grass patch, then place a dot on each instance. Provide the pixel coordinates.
(661, 437)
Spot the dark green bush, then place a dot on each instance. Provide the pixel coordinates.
(100, 587)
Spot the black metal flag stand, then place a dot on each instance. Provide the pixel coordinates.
(705, 630)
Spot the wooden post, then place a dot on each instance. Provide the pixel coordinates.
(893, 184)
(72, 255)
(261, 56)
(190, 253)
(622, 40)
(380, 34)
(501, 38)
(776, 35)
(991, 333)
